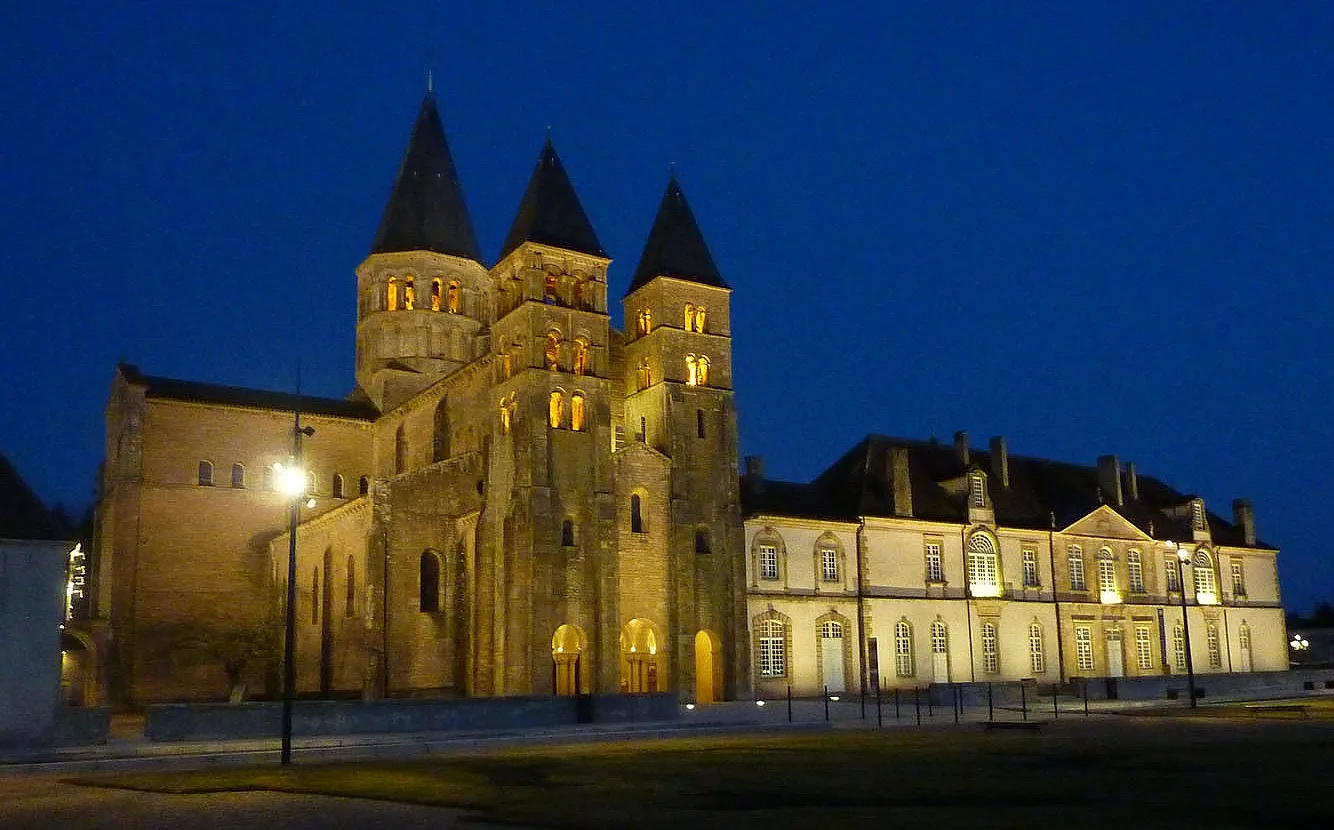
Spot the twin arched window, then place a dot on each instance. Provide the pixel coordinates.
(697, 370)
(645, 322)
(695, 317)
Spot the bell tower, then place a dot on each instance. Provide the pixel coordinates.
(423, 295)
(679, 401)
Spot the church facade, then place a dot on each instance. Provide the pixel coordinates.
(519, 499)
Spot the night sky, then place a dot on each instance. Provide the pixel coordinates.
(1091, 228)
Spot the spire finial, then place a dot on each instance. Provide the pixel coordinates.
(430, 83)
(671, 171)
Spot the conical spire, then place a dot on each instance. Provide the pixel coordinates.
(550, 212)
(426, 211)
(675, 247)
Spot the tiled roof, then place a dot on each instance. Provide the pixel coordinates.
(189, 390)
(675, 246)
(426, 211)
(1043, 494)
(550, 212)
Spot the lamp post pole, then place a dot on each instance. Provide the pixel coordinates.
(1185, 626)
(295, 493)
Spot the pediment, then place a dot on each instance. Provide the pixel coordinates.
(1105, 523)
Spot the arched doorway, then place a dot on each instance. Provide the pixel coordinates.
(708, 667)
(641, 670)
(78, 668)
(567, 656)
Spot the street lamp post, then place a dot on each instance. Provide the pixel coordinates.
(1182, 556)
(292, 482)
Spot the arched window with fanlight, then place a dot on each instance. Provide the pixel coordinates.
(903, 649)
(983, 569)
(1206, 583)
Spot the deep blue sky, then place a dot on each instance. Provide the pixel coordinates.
(1093, 228)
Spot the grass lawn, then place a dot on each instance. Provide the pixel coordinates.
(1148, 772)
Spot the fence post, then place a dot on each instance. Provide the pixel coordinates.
(917, 702)
(1023, 700)
(930, 705)
(1086, 697)
(863, 701)
(826, 703)
(956, 698)
(789, 703)
(896, 703)
(879, 718)
(991, 712)
(1055, 707)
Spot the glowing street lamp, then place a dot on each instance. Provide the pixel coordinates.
(1182, 557)
(291, 481)
(1299, 643)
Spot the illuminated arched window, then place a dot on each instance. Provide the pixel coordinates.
(205, 474)
(556, 409)
(643, 374)
(690, 316)
(699, 319)
(552, 351)
(391, 295)
(453, 299)
(903, 656)
(435, 295)
(580, 356)
(504, 412)
(983, 573)
(636, 514)
(577, 412)
(1206, 586)
(409, 294)
(645, 321)
(702, 370)
(550, 291)
(692, 371)
(429, 598)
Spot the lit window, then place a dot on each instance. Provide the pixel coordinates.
(990, 653)
(238, 476)
(577, 412)
(690, 316)
(645, 321)
(555, 409)
(1077, 570)
(1171, 568)
(773, 648)
(567, 533)
(391, 295)
(1144, 648)
(1215, 653)
(699, 319)
(549, 289)
(940, 643)
(1197, 515)
(581, 357)
(1238, 580)
(435, 295)
(768, 562)
(409, 295)
(1136, 568)
(977, 484)
(1107, 577)
(1037, 658)
(1030, 568)
(454, 298)
(552, 351)
(1084, 648)
(702, 371)
(1179, 647)
(644, 378)
(934, 570)
(903, 662)
(1206, 587)
(636, 514)
(205, 474)
(429, 574)
(829, 564)
(983, 578)
(692, 371)
(506, 412)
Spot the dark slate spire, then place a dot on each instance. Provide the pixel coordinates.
(550, 213)
(426, 211)
(675, 247)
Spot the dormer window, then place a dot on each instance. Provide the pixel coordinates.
(977, 490)
(1197, 515)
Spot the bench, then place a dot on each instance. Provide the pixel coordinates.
(1294, 709)
(1024, 725)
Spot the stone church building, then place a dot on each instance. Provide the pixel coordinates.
(519, 499)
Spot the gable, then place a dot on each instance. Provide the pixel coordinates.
(1106, 523)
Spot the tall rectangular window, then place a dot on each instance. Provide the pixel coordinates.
(903, 662)
(768, 562)
(1106, 576)
(1215, 653)
(1136, 568)
(1084, 648)
(1197, 515)
(1037, 658)
(829, 564)
(1030, 568)
(1077, 570)
(1144, 648)
(1179, 648)
(773, 649)
(1238, 580)
(1170, 570)
(990, 652)
(978, 490)
(935, 571)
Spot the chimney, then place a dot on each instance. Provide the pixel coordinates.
(897, 470)
(1000, 461)
(753, 480)
(961, 447)
(1109, 478)
(1243, 516)
(1132, 483)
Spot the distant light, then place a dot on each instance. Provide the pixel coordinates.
(1299, 643)
(310, 504)
(759, 703)
(690, 707)
(834, 698)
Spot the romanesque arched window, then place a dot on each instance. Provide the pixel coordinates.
(636, 513)
(440, 438)
(363, 485)
(580, 356)
(644, 378)
(454, 298)
(337, 488)
(238, 475)
(409, 294)
(429, 582)
(551, 353)
(205, 473)
(690, 316)
(577, 412)
(435, 295)
(555, 409)
(391, 295)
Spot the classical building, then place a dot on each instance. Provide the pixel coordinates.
(944, 564)
(517, 498)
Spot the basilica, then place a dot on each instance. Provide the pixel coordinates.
(516, 498)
